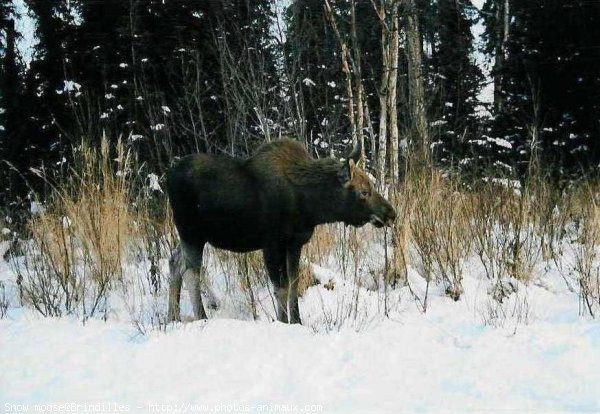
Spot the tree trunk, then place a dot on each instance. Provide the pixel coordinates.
(502, 32)
(416, 92)
(345, 56)
(388, 15)
(383, 92)
(360, 92)
(392, 92)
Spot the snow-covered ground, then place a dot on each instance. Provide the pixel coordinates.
(532, 353)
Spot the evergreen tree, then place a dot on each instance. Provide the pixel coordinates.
(559, 81)
(496, 15)
(549, 109)
(313, 58)
(141, 62)
(13, 122)
(312, 48)
(457, 78)
(101, 65)
(8, 70)
(47, 89)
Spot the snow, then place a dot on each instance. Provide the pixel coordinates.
(66, 222)
(36, 208)
(486, 94)
(514, 185)
(71, 85)
(478, 3)
(501, 142)
(308, 82)
(25, 25)
(410, 365)
(153, 182)
(531, 353)
(439, 122)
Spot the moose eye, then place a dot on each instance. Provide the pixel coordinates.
(365, 193)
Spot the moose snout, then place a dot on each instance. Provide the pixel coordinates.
(384, 213)
(390, 215)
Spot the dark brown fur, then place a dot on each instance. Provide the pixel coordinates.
(271, 201)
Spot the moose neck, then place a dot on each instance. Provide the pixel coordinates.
(322, 191)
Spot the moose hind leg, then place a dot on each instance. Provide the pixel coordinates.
(176, 269)
(193, 276)
(281, 293)
(293, 265)
(193, 281)
(275, 264)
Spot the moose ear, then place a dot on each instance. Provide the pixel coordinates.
(346, 173)
(356, 154)
(352, 166)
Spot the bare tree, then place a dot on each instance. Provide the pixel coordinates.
(387, 11)
(351, 66)
(392, 88)
(360, 90)
(502, 17)
(416, 89)
(383, 88)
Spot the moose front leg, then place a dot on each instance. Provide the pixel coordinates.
(293, 265)
(193, 281)
(176, 269)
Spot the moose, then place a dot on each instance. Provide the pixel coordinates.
(271, 201)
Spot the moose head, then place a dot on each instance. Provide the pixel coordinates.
(362, 203)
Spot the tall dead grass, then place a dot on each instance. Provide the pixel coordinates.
(432, 232)
(80, 240)
(585, 266)
(517, 229)
(100, 217)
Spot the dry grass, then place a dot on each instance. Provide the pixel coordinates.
(97, 218)
(586, 228)
(431, 233)
(511, 227)
(319, 249)
(78, 243)
(96, 199)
